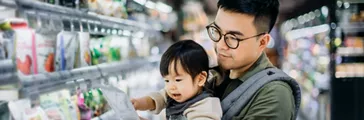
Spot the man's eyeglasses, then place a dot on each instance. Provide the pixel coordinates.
(231, 40)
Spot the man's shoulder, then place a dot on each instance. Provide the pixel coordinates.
(275, 87)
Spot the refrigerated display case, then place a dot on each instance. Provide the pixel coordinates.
(347, 61)
(54, 60)
(307, 60)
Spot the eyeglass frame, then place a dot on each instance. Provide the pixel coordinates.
(224, 35)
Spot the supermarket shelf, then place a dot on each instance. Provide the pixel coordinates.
(6, 66)
(48, 82)
(347, 75)
(351, 55)
(354, 1)
(70, 14)
(350, 28)
(7, 72)
(8, 3)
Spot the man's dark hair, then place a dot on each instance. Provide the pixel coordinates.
(264, 11)
(191, 55)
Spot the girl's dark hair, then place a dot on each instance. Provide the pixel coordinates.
(192, 56)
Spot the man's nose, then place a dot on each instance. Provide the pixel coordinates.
(221, 45)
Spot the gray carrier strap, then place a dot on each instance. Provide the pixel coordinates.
(236, 100)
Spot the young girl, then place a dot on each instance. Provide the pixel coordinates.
(184, 67)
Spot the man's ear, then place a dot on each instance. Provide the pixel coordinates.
(264, 42)
(202, 78)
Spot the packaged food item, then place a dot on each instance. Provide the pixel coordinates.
(123, 45)
(84, 49)
(17, 108)
(25, 51)
(36, 113)
(67, 46)
(92, 5)
(45, 49)
(95, 101)
(74, 100)
(51, 106)
(111, 48)
(120, 103)
(68, 107)
(85, 112)
(95, 46)
(115, 8)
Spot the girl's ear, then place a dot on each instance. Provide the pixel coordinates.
(202, 78)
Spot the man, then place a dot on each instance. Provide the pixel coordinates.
(241, 34)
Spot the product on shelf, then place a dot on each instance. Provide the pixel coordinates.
(95, 101)
(36, 113)
(350, 70)
(115, 8)
(84, 56)
(45, 51)
(67, 45)
(96, 55)
(85, 112)
(51, 106)
(107, 49)
(25, 51)
(357, 17)
(68, 106)
(356, 42)
(17, 108)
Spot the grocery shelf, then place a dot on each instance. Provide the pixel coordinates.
(7, 72)
(9, 3)
(69, 14)
(350, 28)
(347, 75)
(48, 82)
(351, 55)
(6, 66)
(353, 1)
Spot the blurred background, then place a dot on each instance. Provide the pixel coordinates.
(54, 54)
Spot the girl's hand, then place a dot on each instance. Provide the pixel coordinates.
(144, 103)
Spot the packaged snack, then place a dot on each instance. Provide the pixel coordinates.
(119, 102)
(51, 106)
(85, 112)
(84, 49)
(95, 46)
(74, 100)
(115, 8)
(68, 107)
(67, 46)
(45, 49)
(25, 51)
(122, 44)
(17, 108)
(36, 113)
